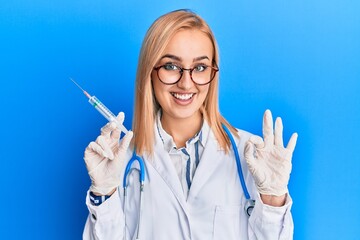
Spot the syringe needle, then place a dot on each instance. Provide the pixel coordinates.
(85, 92)
(94, 101)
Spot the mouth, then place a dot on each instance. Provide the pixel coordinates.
(183, 96)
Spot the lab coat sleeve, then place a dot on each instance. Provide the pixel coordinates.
(105, 221)
(268, 222)
(265, 222)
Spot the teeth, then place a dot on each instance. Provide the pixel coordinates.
(183, 96)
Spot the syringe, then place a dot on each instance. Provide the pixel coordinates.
(101, 108)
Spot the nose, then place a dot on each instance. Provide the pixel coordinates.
(185, 80)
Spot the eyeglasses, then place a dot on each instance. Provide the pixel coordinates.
(201, 74)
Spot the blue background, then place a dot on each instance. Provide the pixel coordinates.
(301, 59)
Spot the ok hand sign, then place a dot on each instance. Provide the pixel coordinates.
(268, 160)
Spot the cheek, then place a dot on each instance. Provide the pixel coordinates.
(204, 95)
(157, 95)
(155, 85)
(160, 91)
(204, 91)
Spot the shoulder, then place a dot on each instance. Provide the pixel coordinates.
(238, 137)
(243, 136)
(243, 133)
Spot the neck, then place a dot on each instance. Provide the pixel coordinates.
(182, 129)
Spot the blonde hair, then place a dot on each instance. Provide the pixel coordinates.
(146, 106)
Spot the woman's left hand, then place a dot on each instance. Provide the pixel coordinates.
(268, 160)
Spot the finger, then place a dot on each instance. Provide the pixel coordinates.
(278, 136)
(125, 142)
(94, 148)
(249, 154)
(105, 147)
(268, 128)
(117, 131)
(292, 142)
(93, 156)
(257, 141)
(120, 117)
(107, 129)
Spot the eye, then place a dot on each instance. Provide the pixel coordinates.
(170, 67)
(200, 68)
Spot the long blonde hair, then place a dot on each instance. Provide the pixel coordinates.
(146, 106)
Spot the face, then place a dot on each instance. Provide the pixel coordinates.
(187, 49)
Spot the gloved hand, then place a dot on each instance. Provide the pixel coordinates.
(268, 160)
(105, 157)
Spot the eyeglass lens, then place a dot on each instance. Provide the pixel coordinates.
(171, 74)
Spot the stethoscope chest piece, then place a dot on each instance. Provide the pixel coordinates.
(249, 206)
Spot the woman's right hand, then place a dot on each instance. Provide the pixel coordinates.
(105, 158)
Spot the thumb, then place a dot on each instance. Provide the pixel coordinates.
(257, 141)
(249, 153)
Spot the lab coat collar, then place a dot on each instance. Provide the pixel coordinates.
(211, 158)
(168, 141)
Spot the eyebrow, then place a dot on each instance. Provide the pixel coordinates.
(171, 56)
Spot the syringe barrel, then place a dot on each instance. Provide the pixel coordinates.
(105, 112)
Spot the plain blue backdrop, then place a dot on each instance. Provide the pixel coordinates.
(301, 59)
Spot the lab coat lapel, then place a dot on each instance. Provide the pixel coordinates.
(161, 162)
(209, 161)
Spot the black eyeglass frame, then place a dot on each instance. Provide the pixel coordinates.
(181, 70)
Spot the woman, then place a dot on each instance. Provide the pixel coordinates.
(192, 188)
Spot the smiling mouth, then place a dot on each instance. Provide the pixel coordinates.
(183, 97)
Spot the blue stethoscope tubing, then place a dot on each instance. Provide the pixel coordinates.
(249, 205)
(128, 168)
(142, 173)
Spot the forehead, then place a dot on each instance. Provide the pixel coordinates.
(188, 44)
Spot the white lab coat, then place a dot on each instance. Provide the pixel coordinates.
(213, 210)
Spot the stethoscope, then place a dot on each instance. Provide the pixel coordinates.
(249, 204)
(142, 173)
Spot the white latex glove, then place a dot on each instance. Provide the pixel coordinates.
(105, 157)
(268, 160)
